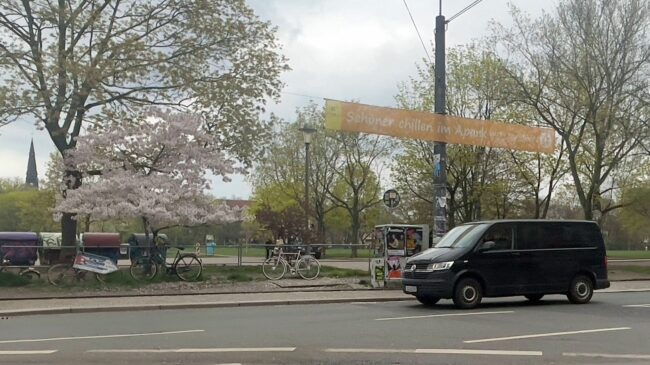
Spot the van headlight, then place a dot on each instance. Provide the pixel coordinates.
(440, 266)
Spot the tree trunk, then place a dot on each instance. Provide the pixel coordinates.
(68, 235)
(71, 180)
(355, 233)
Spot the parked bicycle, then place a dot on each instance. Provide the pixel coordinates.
(84, 267)
(275, 267)
(24, 271)
(187, 266)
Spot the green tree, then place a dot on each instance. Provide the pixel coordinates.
(284, 164)
(71, 63)
(475, 89)
(356, 187)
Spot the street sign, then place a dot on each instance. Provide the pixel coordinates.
(353, 117)
(391, 198)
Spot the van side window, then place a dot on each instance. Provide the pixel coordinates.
(580, 235)
(532, 236)
(501, 235)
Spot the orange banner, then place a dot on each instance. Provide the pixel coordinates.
(353, 117)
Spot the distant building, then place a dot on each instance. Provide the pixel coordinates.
(32, 174)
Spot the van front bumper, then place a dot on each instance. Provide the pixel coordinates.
(438, 285)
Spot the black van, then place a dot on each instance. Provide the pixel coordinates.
(510, 257)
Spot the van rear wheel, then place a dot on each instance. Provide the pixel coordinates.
(581, 290)
(427, 300)
(534, 298)
(468, 293)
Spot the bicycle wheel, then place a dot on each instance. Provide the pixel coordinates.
(61, 274)
(308, 268)
(274, 268)
(30, 274)
(188, 267)
(143, 269)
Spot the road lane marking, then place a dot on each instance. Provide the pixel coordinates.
(241, 349)
(31, 352)
(478, 352)
(548, 334)
(197, 350)
(637, 306)
(444, 315)
(377, 351)
(101, 336)
(608, 356)
(438, 352)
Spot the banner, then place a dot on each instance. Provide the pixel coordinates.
(353, 117)
(95, 263)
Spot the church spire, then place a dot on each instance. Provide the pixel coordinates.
(32, 174)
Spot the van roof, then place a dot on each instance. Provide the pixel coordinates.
(532, 221)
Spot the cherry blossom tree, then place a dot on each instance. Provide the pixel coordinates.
(154, 167)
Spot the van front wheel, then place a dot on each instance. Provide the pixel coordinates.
(468, 293)
(581, 290)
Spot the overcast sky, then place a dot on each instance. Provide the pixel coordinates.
(338, 49)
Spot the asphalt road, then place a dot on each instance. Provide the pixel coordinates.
(613, 329)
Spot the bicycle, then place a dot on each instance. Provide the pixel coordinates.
(27, 272)
(275, 267)
(188, 266)
(60, 274)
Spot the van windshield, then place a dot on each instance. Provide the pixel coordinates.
(461, 236)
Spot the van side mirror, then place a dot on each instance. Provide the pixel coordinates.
(486, 246)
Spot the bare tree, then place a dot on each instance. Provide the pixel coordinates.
(584, 70)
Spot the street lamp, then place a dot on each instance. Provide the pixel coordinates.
(307, 131)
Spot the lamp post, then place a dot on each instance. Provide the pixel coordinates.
(307, 131)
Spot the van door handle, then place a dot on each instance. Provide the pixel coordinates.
(516, 253)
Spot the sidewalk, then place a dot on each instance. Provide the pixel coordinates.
(88, 305)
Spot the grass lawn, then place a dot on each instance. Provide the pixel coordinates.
(621, 254)
(123, 279)
(636, 269)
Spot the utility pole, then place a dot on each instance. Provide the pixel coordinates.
(440, 148)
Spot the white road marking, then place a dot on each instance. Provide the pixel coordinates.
(478, 352)
(32, 352)
(439, 352)
(637, 306)
(444, 315)
(101, 336)
(198, 350)
(608, 356)
(548, 334)
(377, 351)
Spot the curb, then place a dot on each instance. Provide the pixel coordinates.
(137, 295)
(148, 307)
